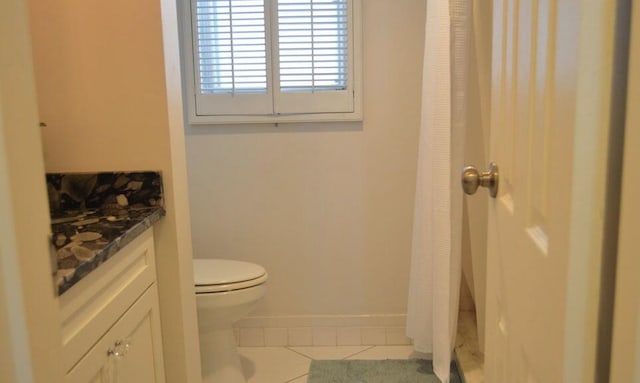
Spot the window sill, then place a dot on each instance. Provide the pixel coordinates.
(196, 120)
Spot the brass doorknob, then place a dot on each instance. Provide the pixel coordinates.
(472, 179)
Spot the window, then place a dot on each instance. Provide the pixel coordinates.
(273, 60)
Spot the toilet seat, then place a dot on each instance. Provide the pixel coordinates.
(221, 275)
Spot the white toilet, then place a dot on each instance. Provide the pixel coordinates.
(225, 292)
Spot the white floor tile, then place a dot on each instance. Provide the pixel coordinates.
(470, 358)
(389, 352)
(272, 364)
(302, 379)
(329, 353)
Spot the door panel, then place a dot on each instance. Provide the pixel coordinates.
(558, 70)
(535, 82)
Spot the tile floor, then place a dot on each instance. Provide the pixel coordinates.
(470, 359)
(291, 364)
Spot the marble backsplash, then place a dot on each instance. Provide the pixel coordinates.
(81, 191)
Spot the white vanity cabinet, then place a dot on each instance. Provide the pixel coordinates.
(110, 320)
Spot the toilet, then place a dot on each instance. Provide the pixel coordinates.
(226, 291)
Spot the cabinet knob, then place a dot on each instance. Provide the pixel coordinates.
(120, 348)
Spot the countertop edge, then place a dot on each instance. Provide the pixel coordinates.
(66, 278)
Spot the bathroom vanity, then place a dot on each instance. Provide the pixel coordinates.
(102, 232)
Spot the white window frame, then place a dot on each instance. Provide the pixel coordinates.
(252, 108)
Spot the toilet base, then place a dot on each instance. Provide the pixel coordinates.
(219, 357)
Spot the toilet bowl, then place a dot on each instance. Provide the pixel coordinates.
(225, 292)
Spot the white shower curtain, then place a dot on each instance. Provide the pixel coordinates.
(437, 225)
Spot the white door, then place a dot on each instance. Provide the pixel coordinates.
(551, 84)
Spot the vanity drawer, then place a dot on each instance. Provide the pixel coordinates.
(91, 307)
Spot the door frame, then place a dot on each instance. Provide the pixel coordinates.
(603, 35)
(28, 305)
(625, 351)
(600, 113)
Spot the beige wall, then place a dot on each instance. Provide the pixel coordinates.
(102, 90)
(326, 208)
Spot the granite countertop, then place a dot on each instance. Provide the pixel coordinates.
(94, 215)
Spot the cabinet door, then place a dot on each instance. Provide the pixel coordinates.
(137, 365)
(91, 307)
(131, 351)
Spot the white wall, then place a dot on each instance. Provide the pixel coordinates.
(111, 105)
(326, 208)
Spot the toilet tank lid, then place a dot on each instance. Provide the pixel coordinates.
(224, 271)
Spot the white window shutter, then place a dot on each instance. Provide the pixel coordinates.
(273, 60)
(232, 63)
(314, 56)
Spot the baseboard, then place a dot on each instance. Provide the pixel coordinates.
(322, 330)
